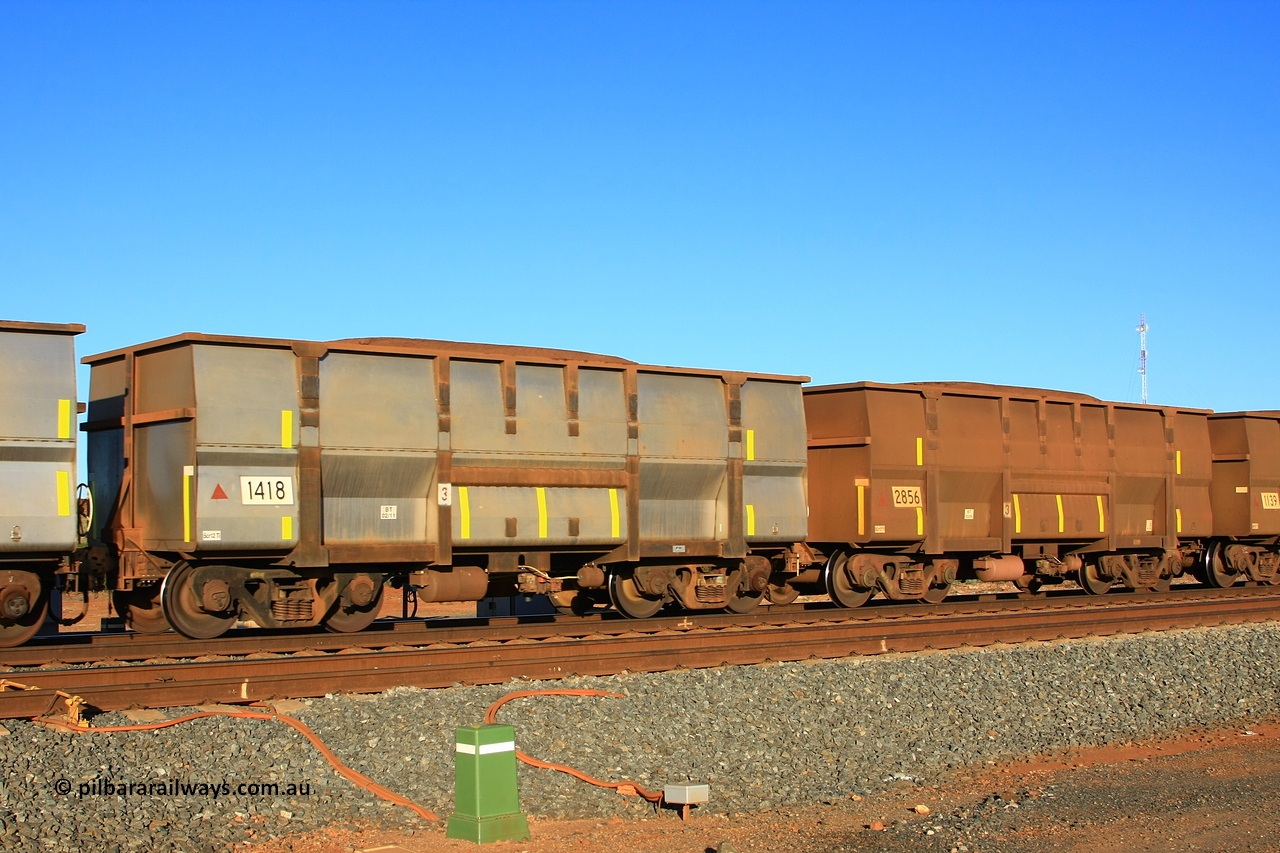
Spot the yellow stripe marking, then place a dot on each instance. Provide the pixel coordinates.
(64, 493)
(1017, 515)
(542, 513)
(286, 527)
(464, 512)
(1177, 457)
(919, 451)
(751, 519)
(751, 445)
(919, 521)
(186, 506)
(1178, 513)
(286, 428)
(1062, 519)
(64, 419)
(862, 510)
(1102, 516)
(615, 518)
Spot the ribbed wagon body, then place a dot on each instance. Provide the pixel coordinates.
(913, 485)
(1246, 498)
(284, 480)
(38, 511)
(287, 482)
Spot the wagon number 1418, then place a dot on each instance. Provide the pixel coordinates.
(275, 491)
(907, 496)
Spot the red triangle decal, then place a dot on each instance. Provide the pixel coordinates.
(218, 494)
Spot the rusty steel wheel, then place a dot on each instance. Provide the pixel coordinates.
(839, 587)
(141, 609)
(1030, 586)
(629, 600)
(781, 593)
(20, 617)
(1090, 581)
(936, 594)
(1214, 568)
(741, 597)
(576, 602)
(347, 618)
(183, 609)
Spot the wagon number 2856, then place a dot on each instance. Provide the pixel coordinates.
(907, 496)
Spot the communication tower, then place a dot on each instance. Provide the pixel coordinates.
(1142, 355)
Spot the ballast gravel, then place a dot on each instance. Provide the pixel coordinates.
(761, 736)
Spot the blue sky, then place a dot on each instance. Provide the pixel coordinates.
(889, 191)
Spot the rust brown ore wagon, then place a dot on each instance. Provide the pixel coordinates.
(914, 485)
(283, 481)
(1245, 497)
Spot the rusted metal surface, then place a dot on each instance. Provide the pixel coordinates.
(995, 466)
(1246, 473)
(46, 328)
(402, 419)
(1070, 484)
(653, 646)
(400, 454)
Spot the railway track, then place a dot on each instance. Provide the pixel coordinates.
(251, 667)
(117, 647)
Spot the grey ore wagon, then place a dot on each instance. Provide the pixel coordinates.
(38, 510)
(285, 482)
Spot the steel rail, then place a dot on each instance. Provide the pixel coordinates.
(658, 648)
(120, 647)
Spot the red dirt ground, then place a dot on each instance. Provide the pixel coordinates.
(1232, 775)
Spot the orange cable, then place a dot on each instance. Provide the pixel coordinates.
(626, 787)
(354, 776)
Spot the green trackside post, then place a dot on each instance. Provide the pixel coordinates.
(486, 798)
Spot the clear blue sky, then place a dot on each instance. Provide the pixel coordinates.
(890, 191)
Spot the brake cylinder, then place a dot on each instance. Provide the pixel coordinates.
(461, 583)
(1006, 567)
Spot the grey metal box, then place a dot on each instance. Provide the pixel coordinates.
(686, 794)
